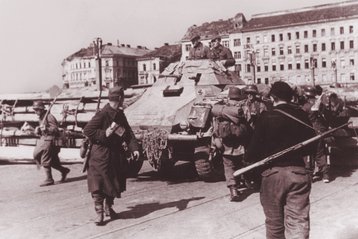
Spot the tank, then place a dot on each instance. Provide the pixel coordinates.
(172, 119)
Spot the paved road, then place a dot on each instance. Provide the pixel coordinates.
(178, 206)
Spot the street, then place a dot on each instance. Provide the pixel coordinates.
(176, 206)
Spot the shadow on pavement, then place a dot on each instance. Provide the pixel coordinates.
(336, 172)
(142, 210)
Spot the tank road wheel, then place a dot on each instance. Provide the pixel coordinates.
(209, 170)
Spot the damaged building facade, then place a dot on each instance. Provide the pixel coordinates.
(313, 45)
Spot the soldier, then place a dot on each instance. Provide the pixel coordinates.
(252, 106)
(198, 51)
(110, 134)
(220, 53)
(232, 134)
(315, 109)
(46, 152)
(286, 183)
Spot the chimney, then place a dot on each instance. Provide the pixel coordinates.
(122, 45)
(128, 45)
(139, 47)
(166, 44)
(118, 43)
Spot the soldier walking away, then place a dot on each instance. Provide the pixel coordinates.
(46, 152)
(110, 135)
(198, 50)
(231, 136)
(286, 183)
(220, 53)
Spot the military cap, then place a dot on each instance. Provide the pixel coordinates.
(235, 93)
(251, 89)
(282, 91)
(309, 92)
(216, 37)
(38, 105)
(195, 37)
(115, 93)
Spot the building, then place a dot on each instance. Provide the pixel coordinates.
(118, 63)
(153, 63)
(313, 45)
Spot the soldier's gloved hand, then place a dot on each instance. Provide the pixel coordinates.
(136, 155)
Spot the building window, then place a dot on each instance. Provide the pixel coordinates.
(314, 47)
(237, 54)
(257, 39)
(333, 46)
(289, 36)
(297, 35)
(323, 47)
(258, 80)
(351, 76)
(289, 50)
(351, 62)
(237, 42)
(154, 66)
(290, 66)
(272, 38)
(281, 50)
(298, 66)
(248, 40)
(282, 66)
(342, 45)
(144, 67)
(305, 34)
(297, 49)
(343, 62)
(306, 48)
(341, 30)
(248, 68)
(323, 32)
(266, 67)
(266, 81)
(266, 52)
(281, 36)
(225, 44)
(324, 63)
(273, 67)
(314, 33)
(351, 44)
(273, 51)
(258, 68)
(332, 31)
(265, 38)
(307, 64)
(187, 47)
(350, 29)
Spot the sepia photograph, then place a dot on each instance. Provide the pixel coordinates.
(169, 119)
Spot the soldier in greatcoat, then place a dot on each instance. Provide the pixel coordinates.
(110, 136)
(46, 152)
(220, 53)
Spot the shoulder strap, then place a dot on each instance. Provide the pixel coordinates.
(294, 118)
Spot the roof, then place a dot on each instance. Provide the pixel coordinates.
(109, 49)
(322, 13)
(168, 52)
(211, 29)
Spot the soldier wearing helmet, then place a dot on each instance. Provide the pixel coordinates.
(198, 50)
(252, 106)
(46, 152)
(231, 135)
(311, 102)
(220, 53)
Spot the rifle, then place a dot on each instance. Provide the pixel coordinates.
(285, 151)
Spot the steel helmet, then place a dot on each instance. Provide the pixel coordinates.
(309, 92)
(251, 89)
(38, 105)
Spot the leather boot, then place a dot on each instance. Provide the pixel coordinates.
(234, 195)
(64, 173)
(49, 180)
(99, 220)
(109, 212)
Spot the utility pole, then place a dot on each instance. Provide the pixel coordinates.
(313, 62)
(97, 43)
(334, 66)
(252, 63)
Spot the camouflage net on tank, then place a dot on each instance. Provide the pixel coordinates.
(154, 143)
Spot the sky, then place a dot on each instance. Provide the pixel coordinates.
(37, 35)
